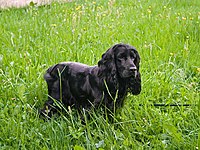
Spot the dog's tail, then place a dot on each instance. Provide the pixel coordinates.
(54, 72)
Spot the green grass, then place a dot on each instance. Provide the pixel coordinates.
(167, 36)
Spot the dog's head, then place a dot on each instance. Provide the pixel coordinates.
(127, 60)
(122, 61)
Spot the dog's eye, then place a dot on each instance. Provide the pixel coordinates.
(122, 56)
(133, 55)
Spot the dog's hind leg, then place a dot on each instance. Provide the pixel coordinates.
(53, 103)
(54, 80)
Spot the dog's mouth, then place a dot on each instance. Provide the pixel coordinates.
(135, 73)
(128, 74)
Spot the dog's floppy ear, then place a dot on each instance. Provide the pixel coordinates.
(107, 64)
(137, 60)
(108, 57)
(135, 82)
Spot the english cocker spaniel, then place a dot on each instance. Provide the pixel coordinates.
(84, 87)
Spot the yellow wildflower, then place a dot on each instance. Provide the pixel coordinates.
(79, 7)
(53, 25)
(149, 11)
(183, 18)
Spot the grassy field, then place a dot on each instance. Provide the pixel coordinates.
(167, 36)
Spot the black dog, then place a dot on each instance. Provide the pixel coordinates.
(82, 86)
